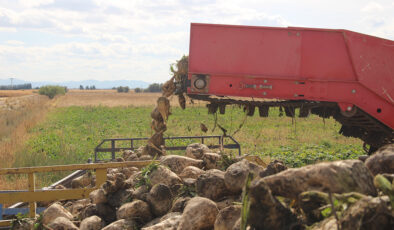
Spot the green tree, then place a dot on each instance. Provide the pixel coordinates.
(51, 90)
(123, 89)
(154, 88)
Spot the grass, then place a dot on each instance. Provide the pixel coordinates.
(17, 116)
(69, 134)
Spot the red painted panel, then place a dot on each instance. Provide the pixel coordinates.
(235, 50)
(373, 60)
(324, 56)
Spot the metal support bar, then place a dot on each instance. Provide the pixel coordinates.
(5, 223)
(32, 188)
(101, 176)
(57, 168)
(45, 195)
(113, 149)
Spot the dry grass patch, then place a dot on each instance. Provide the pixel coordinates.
(109, 98)
(17, 93)
(17, 116)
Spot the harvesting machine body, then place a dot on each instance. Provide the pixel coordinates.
(338, 73)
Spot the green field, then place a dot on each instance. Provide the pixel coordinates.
(69, 135)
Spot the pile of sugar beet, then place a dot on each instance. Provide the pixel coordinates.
(207, 190)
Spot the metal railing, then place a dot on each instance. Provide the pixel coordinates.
(131, 144)
(19, 208)
(33, 195)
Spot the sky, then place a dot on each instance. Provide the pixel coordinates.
(63, 40)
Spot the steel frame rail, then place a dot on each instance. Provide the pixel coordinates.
(113, 149)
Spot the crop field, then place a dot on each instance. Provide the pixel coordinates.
(69, 134)
(109, 98)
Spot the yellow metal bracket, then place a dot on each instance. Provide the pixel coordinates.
(32, 195)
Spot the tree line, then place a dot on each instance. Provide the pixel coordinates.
(152, 88)
(92, 87)
(15, 87)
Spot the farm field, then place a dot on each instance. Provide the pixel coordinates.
(109, 98)
(78, 121)
(17, 93)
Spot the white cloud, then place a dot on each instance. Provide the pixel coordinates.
(14, 43)
(34, 3)
(25, 19)
(7, 29)
(372, 7)
(139, 39)
(109, 37)
(378, 19)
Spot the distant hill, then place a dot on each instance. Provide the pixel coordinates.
(75, 84)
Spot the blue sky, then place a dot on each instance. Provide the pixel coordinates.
(58, 40)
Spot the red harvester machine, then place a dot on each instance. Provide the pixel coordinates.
(338, 73)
